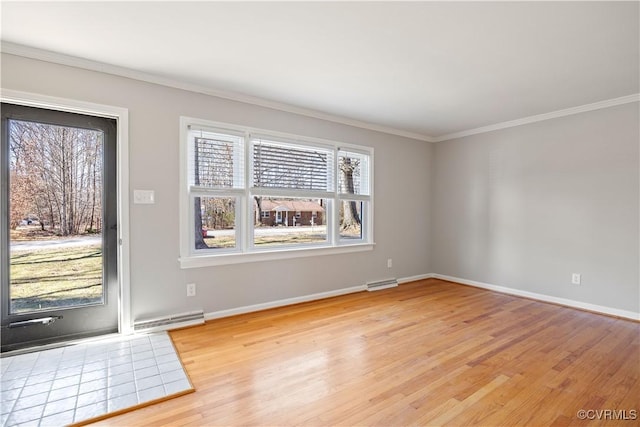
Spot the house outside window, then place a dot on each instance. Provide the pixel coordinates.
(233, 178)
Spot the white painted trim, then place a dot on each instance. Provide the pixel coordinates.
(282, 302)
(541, 117)
(414, 278)
(122, 116)
(72, 61)
(272, 255)
(544, 298)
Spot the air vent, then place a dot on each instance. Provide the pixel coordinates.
(169, 322)
(383, 284)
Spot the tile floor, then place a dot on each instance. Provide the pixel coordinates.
(74, 383)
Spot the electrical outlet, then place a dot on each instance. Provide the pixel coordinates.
(389, 263)
(191, 289)
(576, 278)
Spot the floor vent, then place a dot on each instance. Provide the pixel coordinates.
(169, 322)
(383, 284)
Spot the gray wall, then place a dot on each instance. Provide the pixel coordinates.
(522, 207)
(157, 282)
(526, 207)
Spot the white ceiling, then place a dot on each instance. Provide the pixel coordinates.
(425, 68)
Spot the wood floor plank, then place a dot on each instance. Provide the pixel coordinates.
(425, 353)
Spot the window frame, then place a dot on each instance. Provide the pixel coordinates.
(245, 251)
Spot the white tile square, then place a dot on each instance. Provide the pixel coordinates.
(127, 359)
(77, 360)
(114, 354)
(94, 375)
(61, 405)
(144, 363)
(10, 394)
(138, 341)
(123, 378)
(92, 397)
(146, 372)
(166, 358)
(98, 384)
(90, 411)
(35, 389)
(151, 394)
(11, 384)
(68, 372)
(39, 378)
(169, 377)
(170, 366)
(6, 406)
(65, 382)
(91, 365)
(120, 369)
(59, 419)
(63, 393)
(120, 390)
(46, 368)
(121, 402)
(148, 382)
(177, 387)
(17, 374)
(30, 401)
(141, 348)
(21, 365)
(25, 415)
(144, 355)
(163, 350)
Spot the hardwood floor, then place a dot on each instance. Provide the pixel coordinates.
(424, 353)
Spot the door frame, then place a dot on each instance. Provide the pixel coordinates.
(121, 115)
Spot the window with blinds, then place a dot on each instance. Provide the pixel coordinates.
(216, 160)
(247, 191)
(289, 166)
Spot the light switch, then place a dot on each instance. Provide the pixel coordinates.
(143, 197)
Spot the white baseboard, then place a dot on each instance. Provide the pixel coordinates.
(502, 289)
(282, 302)
(541, 297)
(414, 278)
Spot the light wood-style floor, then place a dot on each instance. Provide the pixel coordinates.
(425, 353)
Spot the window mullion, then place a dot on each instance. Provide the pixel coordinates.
(248, 220)
(335, 202)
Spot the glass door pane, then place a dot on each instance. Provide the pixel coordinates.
(55, 199)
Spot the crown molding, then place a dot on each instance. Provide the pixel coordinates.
(87, 64)
(73, 61)
(541, 117)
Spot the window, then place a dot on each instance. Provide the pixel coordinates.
(234, 178)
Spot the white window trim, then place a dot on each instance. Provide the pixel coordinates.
(244, 231)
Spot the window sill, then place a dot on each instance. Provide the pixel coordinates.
(280, 254)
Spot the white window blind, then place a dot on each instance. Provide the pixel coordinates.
(216, 160)
(289, 166)
(354, 173)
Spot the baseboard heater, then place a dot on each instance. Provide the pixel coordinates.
(383, 284)
(169, 322)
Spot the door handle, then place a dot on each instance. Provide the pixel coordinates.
(32, 322)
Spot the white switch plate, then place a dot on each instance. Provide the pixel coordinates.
(576, 278)
(144, 197)
(389, 263)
